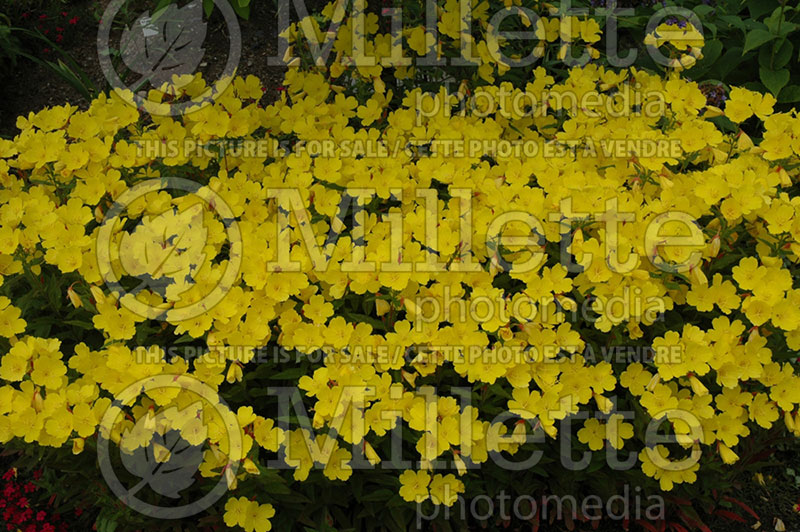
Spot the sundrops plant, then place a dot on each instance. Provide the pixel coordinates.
(435, 288)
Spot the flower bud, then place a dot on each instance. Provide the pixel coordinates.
(697, 387)
(409, 377)
(698, 276)
(603, 403)
(786, 181)
(77, 445)
(287, 56)
(715, 243)
(727, 455)
(461, 467)
(230, 478)
(744, 142)
(789, 421)
(381, 306)
(370, 453)
(161, 453)
(74, 298)
(234, 374)
(250, 467)
(653, 382)
(97, 294)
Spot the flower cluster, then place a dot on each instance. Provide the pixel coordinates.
(362, 51)
(416, 271)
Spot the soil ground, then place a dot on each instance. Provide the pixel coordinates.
(30, 86)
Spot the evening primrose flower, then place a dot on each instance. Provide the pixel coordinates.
(425, 243)
(593, 434)
(414, 486)
(445, 489)
(249, 515)
(727, 455)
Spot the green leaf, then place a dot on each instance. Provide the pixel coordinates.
(734, 21)
(183, 339)
(774, 80)
(703, 10)
(289, 374)
(778, 24)
(777, 59)
(401, 517)
(161, 5)
(208, 7)
(78, 323)
(726, 64)
(756, 38)
(711, 52)
(243, 11)
(759, 8)
(378, 495)
(633, 22)
(790, 94)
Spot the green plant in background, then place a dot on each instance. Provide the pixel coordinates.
(64, 66)
(9, 44)
(747, 43)
(240, 7)
(794, 475)
(16, 42)
(745, 37)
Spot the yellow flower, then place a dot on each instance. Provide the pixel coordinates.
(414, 485)
(727, 455)
(445, 489)
(593, 434)
(617, 431)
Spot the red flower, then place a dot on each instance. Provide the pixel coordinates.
(42, 17)
(74, 20)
